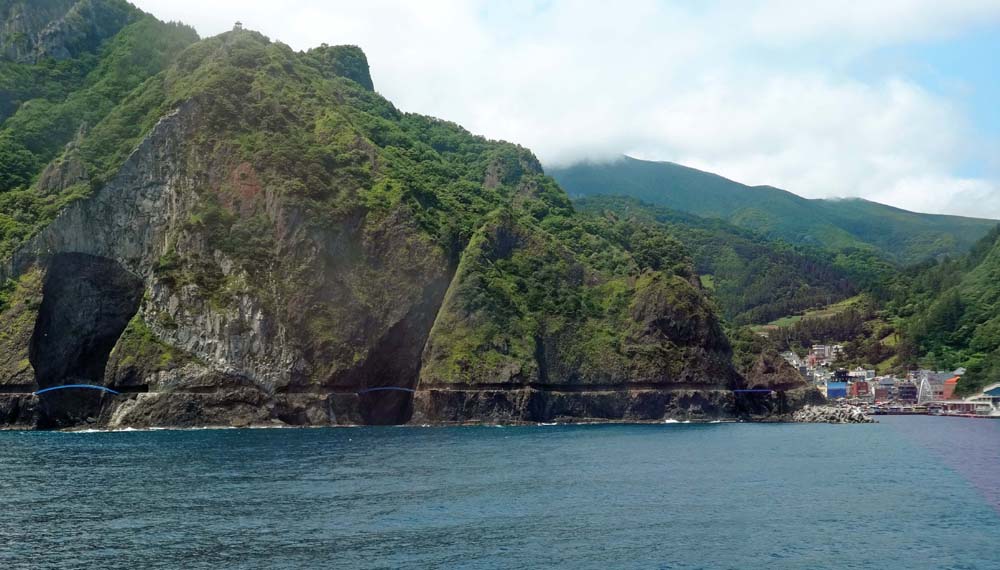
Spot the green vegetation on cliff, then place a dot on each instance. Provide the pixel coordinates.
(19, 301)
(59, 108)
(525, 308)
(305, 197)
(139, 352)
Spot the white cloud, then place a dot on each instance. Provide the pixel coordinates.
(932, 193)
(870, 23)
(756, 91)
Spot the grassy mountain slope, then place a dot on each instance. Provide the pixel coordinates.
(899, 235)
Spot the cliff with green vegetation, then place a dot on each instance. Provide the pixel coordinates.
(228, 231)
(36, 31)
(853, 227)
(541, 331)
(68, 65)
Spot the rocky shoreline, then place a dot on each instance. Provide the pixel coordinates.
(832, 415)
(247, 408)
(809, 414)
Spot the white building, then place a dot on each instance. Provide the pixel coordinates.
(990, 395)
(860, 374)
(822, 353)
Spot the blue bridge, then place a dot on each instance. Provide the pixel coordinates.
(386, 389)
(76, 386)
(115, 392)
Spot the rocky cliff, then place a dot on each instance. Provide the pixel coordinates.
(655, 349)
(34, 30)
(283, 246)
(789, 391)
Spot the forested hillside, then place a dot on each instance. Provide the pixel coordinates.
(941, 315)
(950, 311)
(755, 279)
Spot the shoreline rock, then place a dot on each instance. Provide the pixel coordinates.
(832, 415)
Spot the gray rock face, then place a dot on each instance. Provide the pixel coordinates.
(128, 222)
(254, 357)
(529, 405)
(32, 30)
(20, 410)
(62, 174)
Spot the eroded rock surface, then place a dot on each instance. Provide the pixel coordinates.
(32, 30)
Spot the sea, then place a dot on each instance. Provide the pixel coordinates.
(906, 493)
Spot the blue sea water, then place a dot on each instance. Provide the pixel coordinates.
(907, 493)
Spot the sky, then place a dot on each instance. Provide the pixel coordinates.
(896, 101)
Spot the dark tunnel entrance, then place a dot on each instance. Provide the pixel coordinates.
(87, 301)
(388, 378)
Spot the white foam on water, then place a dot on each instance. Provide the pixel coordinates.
(148, 429)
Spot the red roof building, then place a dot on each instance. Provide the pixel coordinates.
(949, 387)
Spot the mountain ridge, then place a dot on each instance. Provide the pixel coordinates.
(897, 234)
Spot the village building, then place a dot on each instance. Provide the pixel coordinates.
(860, 390)
(907, 392)
(860, 373)
(984, 404)
(824, 353)
(989, 396)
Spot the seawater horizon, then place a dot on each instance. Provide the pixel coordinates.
(909, 492)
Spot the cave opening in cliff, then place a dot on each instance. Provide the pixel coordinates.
(389, 376)
(87, 301)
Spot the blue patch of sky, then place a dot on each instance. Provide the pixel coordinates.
(963, 69)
